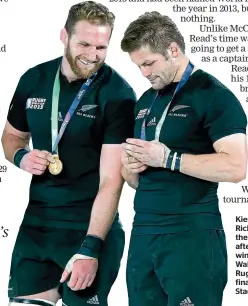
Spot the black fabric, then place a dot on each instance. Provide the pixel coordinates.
(41, 254)
(202, 112)
(186, 268)
(104, 116)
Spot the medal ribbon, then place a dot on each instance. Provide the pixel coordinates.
(183, 80)
(56, 137)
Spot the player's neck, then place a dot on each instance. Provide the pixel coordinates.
(181, 68)
(67, 71)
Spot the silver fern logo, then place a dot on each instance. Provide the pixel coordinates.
(177, 107)
(86, 108)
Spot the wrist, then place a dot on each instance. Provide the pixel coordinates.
(91, 246)
(173, 161)
(18, 155)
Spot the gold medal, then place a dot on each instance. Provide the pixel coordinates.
(56, 167)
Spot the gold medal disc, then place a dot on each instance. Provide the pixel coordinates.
(56, 167)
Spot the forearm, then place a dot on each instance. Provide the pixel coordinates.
(131, 178)
(11, 143)
(104, 209)
(217, 167)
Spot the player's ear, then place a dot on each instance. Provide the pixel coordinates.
(64, 36)
(174, 50)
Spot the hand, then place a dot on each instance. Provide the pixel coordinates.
(36, 161)
(151, 153)
(130, 163)
(83, 272)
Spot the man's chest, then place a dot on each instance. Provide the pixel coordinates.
(83, 124)
(179, 124)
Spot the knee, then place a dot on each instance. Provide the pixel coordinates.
(29, 302)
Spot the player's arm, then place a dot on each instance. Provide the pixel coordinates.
(111, 182)
(13, 140)
(225, 122)
(225, 125)
(84, 264)
(118, 125)
(228, 164)
(16, 134)
(15, 146)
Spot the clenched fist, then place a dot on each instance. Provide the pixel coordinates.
(36, 161)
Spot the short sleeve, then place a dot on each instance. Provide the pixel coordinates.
(17, 110)
(119, 118)
(225, 116)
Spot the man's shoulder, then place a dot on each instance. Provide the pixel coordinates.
(113, 80)
(208, 94)
(43, 69)
(146, 97)
(207, 83)
(203, 89)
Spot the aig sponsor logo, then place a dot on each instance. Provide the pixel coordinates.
(35, 103)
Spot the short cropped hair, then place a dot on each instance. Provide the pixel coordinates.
(90, 11)
(153, 30)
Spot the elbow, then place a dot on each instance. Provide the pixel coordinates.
(133, 185)
(2, 141)
(113, 184)
(239, 174)
(3, 146)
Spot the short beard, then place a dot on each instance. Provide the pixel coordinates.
(80, 73)
(169, 75)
